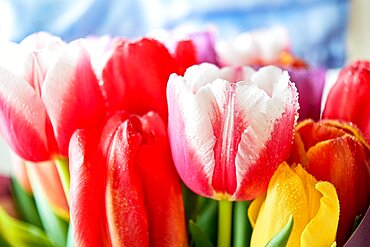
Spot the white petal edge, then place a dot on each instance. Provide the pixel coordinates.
(267, 112)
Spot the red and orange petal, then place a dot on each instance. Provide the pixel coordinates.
(331, 151)
(342, 161)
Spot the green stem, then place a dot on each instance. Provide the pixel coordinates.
(242, 228)
(225, 211)
(63, 170)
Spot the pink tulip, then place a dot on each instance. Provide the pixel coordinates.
(125, 190)
(51, 92)
(230, 128)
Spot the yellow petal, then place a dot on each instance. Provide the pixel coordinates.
(285, 196)
(313, 195)
(322, 229)
(254, 209)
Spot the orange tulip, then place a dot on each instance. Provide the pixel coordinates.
(338, 153)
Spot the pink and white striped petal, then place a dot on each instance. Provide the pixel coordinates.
(72, 95)
(221, 121)
(23, 118)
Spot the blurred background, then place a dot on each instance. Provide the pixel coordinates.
(326, 33)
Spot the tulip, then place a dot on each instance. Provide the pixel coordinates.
(230, 128)
(135, 76)
(292, 191)
(52, 92)
(189, 47)
(310, 84)
(125, 190)
(336, 152)
(348, 100)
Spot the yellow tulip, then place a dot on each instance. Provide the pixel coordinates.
(292, 191)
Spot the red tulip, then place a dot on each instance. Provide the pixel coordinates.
(136, 75)
(125, 191)
(188, 47)
(52, 92)
(336, 152)
(230, 128)
(349, 98)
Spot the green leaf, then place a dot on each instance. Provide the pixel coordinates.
(3, 242)
(55, 227)
(17, 233)
(25, 204)
(281, 238)
(241, 226)
(192, 203)
(198, 236)
(207, 220)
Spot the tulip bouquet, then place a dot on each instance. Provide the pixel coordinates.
(188, 141)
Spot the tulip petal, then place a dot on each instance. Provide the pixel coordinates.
(185, 55)
(254, 209)
(313, 196)
(161, 185)
(87, 190)
(271, 125)
(190, 148)
(22, 114)
(310, 84)
(222, 133)
(204, 46)
(36, 65)
(136, 76)
(348, 98)
(72, 96)
(349, 128)
(126, 215)
(312, 133)
(285, 196)
(344, 160)
(316, 233)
